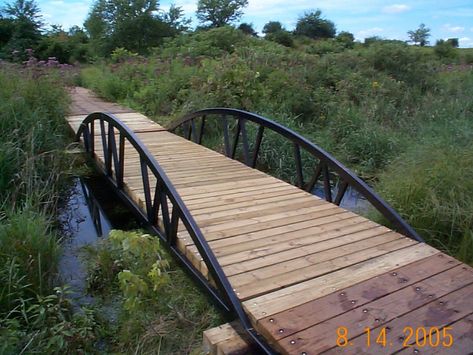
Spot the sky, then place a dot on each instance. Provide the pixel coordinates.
(364, 18)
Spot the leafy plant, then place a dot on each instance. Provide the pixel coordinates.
(159, 305)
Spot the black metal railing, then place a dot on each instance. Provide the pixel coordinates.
(116, 142)
(333, 175)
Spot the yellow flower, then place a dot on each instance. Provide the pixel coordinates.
(375, 84)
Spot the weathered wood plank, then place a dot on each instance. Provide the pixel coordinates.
(289, 297)
(443, 308)
(249, 285)
(319, 310)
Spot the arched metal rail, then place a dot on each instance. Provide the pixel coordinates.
(328, 167)
(171, 212)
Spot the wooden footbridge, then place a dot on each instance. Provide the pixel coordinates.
(299, 273)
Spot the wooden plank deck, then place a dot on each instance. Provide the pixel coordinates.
(302, 267)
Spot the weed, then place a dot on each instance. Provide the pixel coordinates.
(160, 307)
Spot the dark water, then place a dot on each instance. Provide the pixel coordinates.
(352, 200)
(90, 212)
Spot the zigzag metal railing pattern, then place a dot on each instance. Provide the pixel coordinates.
(327, 169)
(164, 199)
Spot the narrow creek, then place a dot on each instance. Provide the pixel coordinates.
(89, 213)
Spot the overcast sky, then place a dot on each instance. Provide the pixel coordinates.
(364, 18)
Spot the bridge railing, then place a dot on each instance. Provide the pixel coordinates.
(241, 135)
(116, 141)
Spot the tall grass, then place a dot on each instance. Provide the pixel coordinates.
(431, 186)
(34, 315)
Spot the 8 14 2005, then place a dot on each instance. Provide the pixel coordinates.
(419, 337)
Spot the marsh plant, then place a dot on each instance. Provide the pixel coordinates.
(158, 305)
(35, 314)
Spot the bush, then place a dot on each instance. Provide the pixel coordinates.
(282, 37)
(402, 62)
(322, 47)
(445, 50)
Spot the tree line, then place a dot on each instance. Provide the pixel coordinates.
(140, 25)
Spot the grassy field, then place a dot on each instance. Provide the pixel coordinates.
(399, 116)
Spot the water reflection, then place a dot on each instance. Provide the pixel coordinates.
(352, 200)
(80, 228)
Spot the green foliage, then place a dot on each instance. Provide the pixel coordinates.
(131, 25)
(31, 129)
(431, 186)
(402, 63)
(35, 316)
(360, 90)
(453, 42)
(466, 56)
(325, 46)
(312, 25)
(136, 260)
(22, 29)
(347, 38)
(420, 36)
(211, 43)
(120, 55)
(445, 50)
(66, 47)
(218, 13)
(160, 306)
(26, 237)
(176, 20)
(282, 37)
(247, 28)
(7, 27)
(272, 27)
(51, 327)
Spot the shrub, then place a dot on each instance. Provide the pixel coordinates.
(445, 50)
(402, 62)
(282, 37)
(321, 47)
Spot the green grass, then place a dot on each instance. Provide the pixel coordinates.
(35, 316)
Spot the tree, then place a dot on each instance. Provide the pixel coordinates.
(25, 20)
(247, 28)
(420, 36)
(133, 25)
(218, 13)
(67, 46)
(7, 27)
(346, 38)
(453, 42)
(313, 26)
(175, 18)
(272, 27)
(25, 11)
